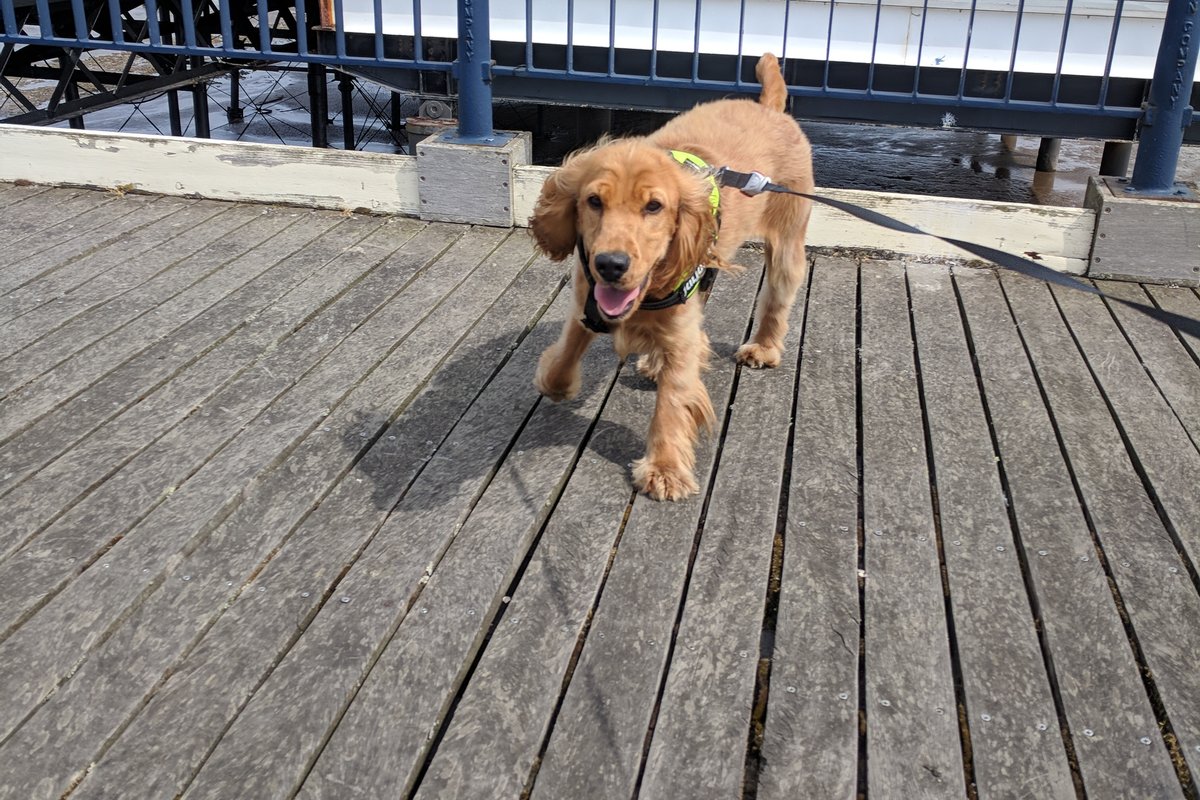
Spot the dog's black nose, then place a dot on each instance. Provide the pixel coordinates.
(611, 266)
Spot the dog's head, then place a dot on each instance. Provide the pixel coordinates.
(644, 220)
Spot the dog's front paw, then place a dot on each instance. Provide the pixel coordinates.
(757, 356)
(663, 483)
(554, 381)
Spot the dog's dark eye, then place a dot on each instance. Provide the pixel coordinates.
(595, 202)
(653, 207)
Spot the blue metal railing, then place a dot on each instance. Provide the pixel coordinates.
(1082, 69)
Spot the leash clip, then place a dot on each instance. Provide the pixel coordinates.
(748, 183)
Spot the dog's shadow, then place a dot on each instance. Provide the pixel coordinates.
(438, 417)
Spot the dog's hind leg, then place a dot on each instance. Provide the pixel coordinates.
(787, 268)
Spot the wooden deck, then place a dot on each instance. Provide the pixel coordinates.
(281, 515)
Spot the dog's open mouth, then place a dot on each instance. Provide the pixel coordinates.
(614, 302)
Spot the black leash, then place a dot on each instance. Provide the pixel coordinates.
(752, 183)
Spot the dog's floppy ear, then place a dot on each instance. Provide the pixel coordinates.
(553, 220)
(694, 231)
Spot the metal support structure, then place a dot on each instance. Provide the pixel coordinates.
(1115, 159)
(1168, 112)
(473, 70)
(318, 105)
(234, 113)
(200, 103)
(346, 87)
(1047, 157)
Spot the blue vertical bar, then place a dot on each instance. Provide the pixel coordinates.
(737, 78)
(612, 37)
(114, 17)
(1112, 48)
(1012, 59)
(378, 7)
(1062, 52)
(696, 45)
(152, 22)
(77, 12)
(529, 34)
(962, 75)
(339, 28)
(474, 72)
(301, 28)
(44, 23)
(1168, 111)
(570, 36)
(787, 8)
(189, 22)
(418, 41)
(874, 47)
(10, 16)
(654, 41)
(264, 26)
(916, 90)
(828, 46)
(227, 40)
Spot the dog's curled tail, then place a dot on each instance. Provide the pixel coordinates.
(774, 90)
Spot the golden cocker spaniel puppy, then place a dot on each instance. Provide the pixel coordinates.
(641, 214)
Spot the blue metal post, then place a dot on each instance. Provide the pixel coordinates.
(1168, 111)
(474, 72)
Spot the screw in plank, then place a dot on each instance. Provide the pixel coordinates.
(601, 635)
(1124, 563)
(791, 690)
(843, 696)
(957, 543)
(1041, 726)
(344, 599)
(1084, 558)
(1043, 552)
(940, 710)
(922, 538)
(999, 548)
(424, 610)
(1173, 570)
(742, 653)
(802, 524)
(986, 717)
(879, 533)
(187, 577)
(885, 703)
(1088, 732)
(843, 528)
(470, 612)
(262, 589)
(305, 594)
(1145, 740)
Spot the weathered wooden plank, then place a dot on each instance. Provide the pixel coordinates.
(810, 736)
(168, 625)
(68, 240)
(595, 746)
(170, 378)
(19, 192)
(102, 272)
(22, 223)
(324, 178)
(1180, 301)
(1159, 350)
(700, 738)
(1159, 442)
(1119, 247)
(40, 307)
(247, 647)
(913, 746)
(228, 234)
(56, 489)
(1004, 678)
(424, 651)
(166, 524)
(1095, 674)
(493, 738)
(1158, 594)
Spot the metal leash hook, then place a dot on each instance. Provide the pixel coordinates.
(748, 183)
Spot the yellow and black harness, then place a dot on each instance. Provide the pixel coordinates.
(699, 279)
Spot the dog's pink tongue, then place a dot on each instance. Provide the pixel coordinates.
(614, 301)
